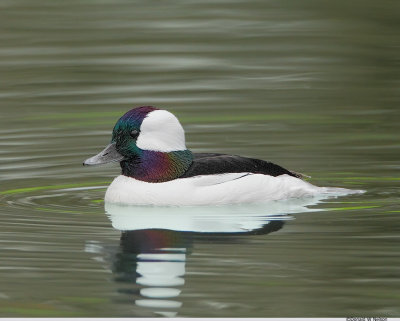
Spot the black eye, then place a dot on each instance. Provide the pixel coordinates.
(134, 133)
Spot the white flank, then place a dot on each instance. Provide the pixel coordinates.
(232, 188)
(161, 131)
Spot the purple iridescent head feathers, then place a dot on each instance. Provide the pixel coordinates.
(147, 138)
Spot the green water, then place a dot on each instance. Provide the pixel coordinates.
(310, 85)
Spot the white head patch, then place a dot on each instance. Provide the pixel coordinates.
(161, 131)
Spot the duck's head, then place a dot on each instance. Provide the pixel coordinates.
(142, 128)
(141, 137)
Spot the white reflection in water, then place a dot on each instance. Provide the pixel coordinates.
(155, 242)
(205, 219)
(160, 274)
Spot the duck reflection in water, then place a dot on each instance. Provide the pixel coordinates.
(153, 260)
(157, 241)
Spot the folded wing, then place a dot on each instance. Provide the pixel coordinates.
(212, 164)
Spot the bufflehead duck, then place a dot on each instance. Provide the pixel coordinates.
(158, 169)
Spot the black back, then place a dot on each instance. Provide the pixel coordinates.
(209, 164)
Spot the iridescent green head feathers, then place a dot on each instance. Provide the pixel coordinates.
(150, 145)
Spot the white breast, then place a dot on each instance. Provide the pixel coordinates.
(232, 188)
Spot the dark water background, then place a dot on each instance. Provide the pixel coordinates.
(310, 85)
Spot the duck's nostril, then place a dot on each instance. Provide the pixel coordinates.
(105, 154)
